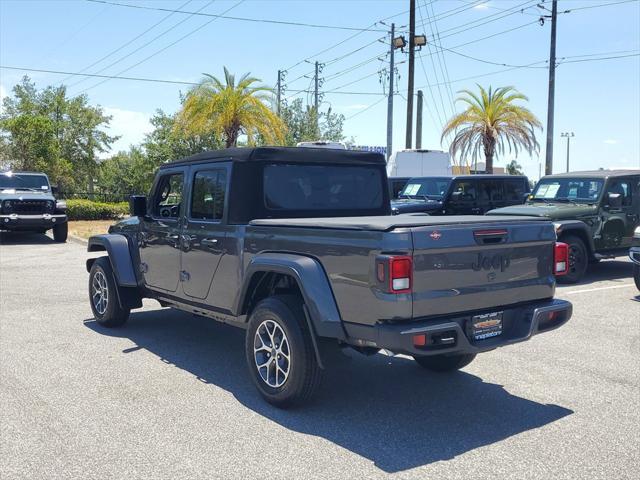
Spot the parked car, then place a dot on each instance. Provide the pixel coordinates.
(298, 247)
(27, 204)
(396, 185)
(634, 255)
(461, 195)
(595, 213)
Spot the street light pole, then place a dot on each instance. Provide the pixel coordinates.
(568, 136)
(390, 99)
(412, 31)
(552, 89)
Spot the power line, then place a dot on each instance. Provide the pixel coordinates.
(598, 59)
(242, 19)
(365, 109)
(188, 34)
(136, 50)
(126, 44)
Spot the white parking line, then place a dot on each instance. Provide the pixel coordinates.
(596, 289)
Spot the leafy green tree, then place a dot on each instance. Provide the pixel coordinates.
(492, 123)
(48, 131)
(514, 168)
(230, 109)
(166, 142)
(305, 125)
(126, 173)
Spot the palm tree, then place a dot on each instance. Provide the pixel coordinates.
(230, 109)
(492, 123)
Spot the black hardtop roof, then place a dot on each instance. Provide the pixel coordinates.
(595, 174)
(473, 176)
(283, 154)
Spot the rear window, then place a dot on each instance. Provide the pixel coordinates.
(322, 187)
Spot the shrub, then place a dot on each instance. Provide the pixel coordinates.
(78, 209)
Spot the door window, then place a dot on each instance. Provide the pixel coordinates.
(168, 199)
(623, 188)
(207, 200)
(467, 190)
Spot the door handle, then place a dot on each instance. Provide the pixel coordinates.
(209, 242)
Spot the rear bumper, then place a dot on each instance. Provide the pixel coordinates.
(28, 222)
(634, 255)
(519, 324)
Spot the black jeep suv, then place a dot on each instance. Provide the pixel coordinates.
(461, 195)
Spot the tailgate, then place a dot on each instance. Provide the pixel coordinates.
(467, 268)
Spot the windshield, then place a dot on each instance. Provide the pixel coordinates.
(24, 182)
(327, 188)
(568, 189)
(432, 188)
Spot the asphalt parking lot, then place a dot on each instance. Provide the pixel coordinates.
(168, 395)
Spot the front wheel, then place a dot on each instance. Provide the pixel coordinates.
(636, 275)
(280, 353)
(103, 296)
(60, 232)
(445, 363)
(578, 260)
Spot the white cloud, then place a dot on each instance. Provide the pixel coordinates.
(130, 125)
(611, 141)
(482, 6)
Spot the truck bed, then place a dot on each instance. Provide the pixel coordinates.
(387, 223)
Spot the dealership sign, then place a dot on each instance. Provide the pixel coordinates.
(368, 148)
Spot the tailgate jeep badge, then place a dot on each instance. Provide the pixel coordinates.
(435, 235)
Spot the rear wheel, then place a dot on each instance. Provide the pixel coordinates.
(578, 259)
(444, 363)
(280, 353)
(60, 232)
(636, 275)
(103, 296)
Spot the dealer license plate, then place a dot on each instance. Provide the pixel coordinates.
(486, 326)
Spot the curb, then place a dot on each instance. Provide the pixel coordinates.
(79, 240)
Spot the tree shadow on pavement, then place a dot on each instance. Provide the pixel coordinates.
(386, 409)
(24, 238)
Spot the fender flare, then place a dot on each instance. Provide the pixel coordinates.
(117, 247)
(312, 282)
(569, 226)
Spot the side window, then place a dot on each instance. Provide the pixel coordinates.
(209, 188)
(623, 188)
(168, 198)
(514, 190)
(467, 190)
(490, 190)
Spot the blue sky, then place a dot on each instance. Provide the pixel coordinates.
(597, 100)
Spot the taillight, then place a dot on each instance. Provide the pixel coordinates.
(560, 259)
(394, 273)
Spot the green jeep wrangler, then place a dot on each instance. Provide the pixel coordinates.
(594, 212)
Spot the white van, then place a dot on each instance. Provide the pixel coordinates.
(323, 144)
(419, 163)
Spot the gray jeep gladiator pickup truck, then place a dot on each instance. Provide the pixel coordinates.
(27, 204)
(298, 247)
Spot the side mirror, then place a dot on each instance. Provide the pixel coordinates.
(54, 190)
(138, 205)
(614, 200)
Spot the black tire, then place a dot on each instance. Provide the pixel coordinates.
(101, 278)
(578, 260)
(60, 232)
(636, 275)
(303, 375)
(444, 363)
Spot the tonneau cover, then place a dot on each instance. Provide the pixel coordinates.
(383, 223)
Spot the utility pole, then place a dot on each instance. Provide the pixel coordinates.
(390, 99)
(279, 91)
(552, 89)
(315, 94)
(568, 136)
(412, 31)
(419, 121)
